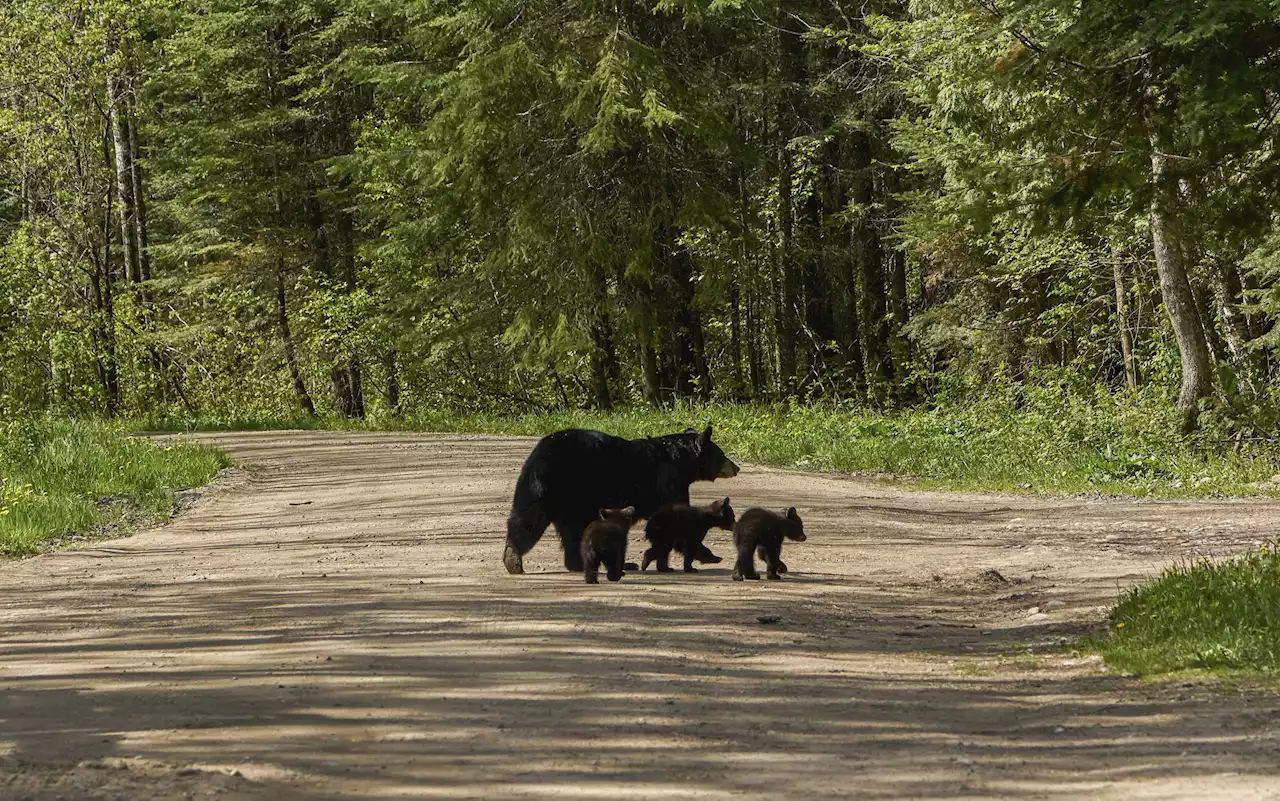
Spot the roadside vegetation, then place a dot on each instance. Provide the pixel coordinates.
(1023, 438)
(1215, 616)
(64, 478)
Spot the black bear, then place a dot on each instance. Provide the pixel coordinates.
(605, 543)
(571, 475)
(683, 527)
(764, 530)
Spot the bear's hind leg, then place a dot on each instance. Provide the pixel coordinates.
(571, 541)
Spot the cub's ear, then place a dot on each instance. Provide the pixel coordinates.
(706, 433)
(724, 502)
(604, 513)
(792, 514)
(629, 512)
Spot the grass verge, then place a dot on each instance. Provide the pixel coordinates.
(61, 478)
(1208, 616)
(1048, 443)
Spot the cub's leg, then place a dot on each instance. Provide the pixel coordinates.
(614, 565)
(773, 559)
(590, 566)
(745, 567)
(763, 553)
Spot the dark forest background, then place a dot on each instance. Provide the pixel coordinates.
(265, 208)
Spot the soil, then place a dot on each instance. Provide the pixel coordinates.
(334, 621)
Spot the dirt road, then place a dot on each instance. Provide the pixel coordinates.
(335, 621)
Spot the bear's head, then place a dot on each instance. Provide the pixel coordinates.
(723, 514)
(712, 463)
(793, 526)
(622, 517)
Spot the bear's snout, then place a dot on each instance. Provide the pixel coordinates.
(728, 469)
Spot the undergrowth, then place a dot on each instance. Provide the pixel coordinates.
(1044, 442)
(60, 478)
(1207, 616)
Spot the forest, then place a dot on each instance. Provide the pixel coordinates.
(367, 208)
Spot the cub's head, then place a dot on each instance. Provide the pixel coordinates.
(622, 517)
(793, 526)
(723, 514)
(712, 463)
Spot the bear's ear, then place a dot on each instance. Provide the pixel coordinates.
(706, 433)
(724, 502)
(629, 512)
(791, 514)
(604, 513)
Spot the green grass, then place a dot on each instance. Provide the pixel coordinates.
(62, 478)
(1048, 442)
(1208, 616)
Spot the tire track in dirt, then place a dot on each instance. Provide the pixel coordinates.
(336, 622)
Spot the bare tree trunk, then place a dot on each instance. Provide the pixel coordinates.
(124, 174)
(1228, 292)
(391, 391)
(789, 61)
(143, 237)
(1175, 289)
(871, 273)
(735, 336)
(106, 305)
(755, 356)
(602, 351)
(1122, 318)
(286, 335)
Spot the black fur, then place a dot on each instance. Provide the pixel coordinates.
(605, 543)
(683, 527)
(761, 530)
(573, 474)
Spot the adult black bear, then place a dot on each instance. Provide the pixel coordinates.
(683, 527)
(605, 543)
(571, 475)
(764, 530)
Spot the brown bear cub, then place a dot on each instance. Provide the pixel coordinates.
(683, 528)
(605, 543)
(764, 530)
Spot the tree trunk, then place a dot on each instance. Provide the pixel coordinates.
(105, 294)
(1122, 317)
(286, 335)
(391, 390)
(124, 176)
(871, 273)
(735, 337)
(603, 353)
(1228, 292)
(142, 237)
(1175, 289)
(755, 354)
(789, 62)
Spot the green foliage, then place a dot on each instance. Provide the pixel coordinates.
(1040, 437)
(1218, 616)
(62, 478)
